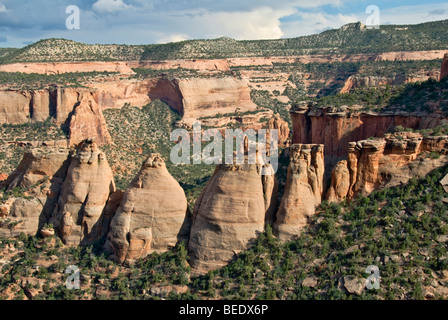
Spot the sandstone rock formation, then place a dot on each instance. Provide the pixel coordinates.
(283, 130)
(87, 120)
(152, 216)
(303, 191)
(74, 107)
(385, 162)
(39, 175)
(65, 67)
(340, 182)
(444, 69)
(230, 211)
(86, 189)
(337, 127)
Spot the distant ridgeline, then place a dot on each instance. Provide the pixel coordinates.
(350, 39)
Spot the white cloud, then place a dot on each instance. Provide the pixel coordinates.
(173, 38)
(110, 6)
(3, 8)
(315, 22)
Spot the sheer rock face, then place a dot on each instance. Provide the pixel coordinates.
(369, 153)
(231, 210)
(283, 130)
(153, 214)
(85, 192)
(337, 127)
(444, 69)
(389, 161)
(303, 192)
(41, 173)
(340, 182)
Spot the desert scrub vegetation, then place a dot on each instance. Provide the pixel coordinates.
(411, 97)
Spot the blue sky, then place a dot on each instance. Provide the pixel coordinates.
(159, 21)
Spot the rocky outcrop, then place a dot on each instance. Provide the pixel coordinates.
(39, 176)
(283, 130)
(303, 191)
(444, 69)
(386, 162)
(340, 183)
(368, 154)
(337, 127)
(231, 210)
(87, 120)
(86, 189)
(205, 97)
(152, 216)
(74, 107)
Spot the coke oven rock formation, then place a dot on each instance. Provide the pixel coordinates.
(152, 216)
(231, 210)
(41, 173)
(85, 192)
(303, 191)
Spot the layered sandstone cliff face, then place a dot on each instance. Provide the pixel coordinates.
(231, 210)
(41, 173)
(385, 162)
(85, 192)
(65, 67)
(208, 97)
(74, 107)
(337, 127)
(152, 216)
(303, 191)
(444, 69)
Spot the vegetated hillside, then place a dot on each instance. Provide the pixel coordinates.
(403, 231)
(428, 96)
(349, 39)
(34, 81)
(56, 50)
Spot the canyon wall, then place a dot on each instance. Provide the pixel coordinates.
(385, 162)
(337, 127)
(66, 67)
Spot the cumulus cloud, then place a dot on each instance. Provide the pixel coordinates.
(173, 38)
(315, 22)
(109, 6)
